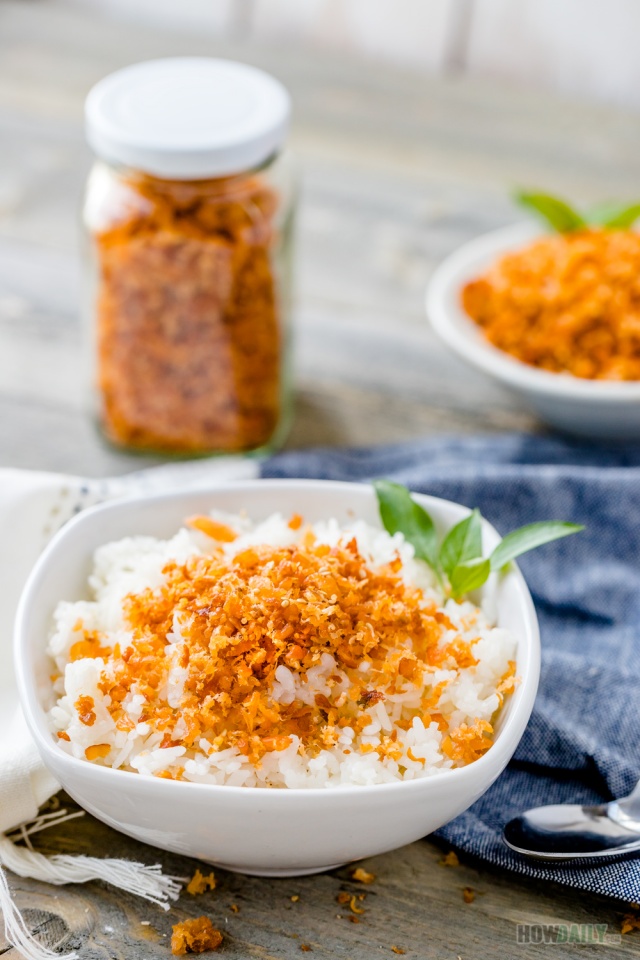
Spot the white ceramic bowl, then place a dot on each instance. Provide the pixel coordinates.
(261, 831)
(596, 409)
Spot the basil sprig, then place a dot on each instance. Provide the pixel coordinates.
(459, 556)
(564, 218)
(400, 513)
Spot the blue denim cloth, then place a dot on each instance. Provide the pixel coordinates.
(582, 744)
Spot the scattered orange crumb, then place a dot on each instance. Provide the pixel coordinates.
(98, 751)
(234, 908)
(411, 755)
(296, 521)
(199, 883)
(194, 936)
(468, 894)
(86, 714)
(88, 646)
(398, 950)
(353, 919)
(295, 898)
(630, 921)
(508, 680)
(305, 948)
(468, 741)
(63, 735)
(449, 860)
(343, 897)
(353, 905)
(360, 875)
(212, 528)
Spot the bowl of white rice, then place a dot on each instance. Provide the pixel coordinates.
(262, 677)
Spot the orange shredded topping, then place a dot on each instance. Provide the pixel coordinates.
(234, 908)
(468, 894)
(466, 743)
(63, 735)
(213, 529)
(98, 751)
(84, 706)
(565, 303)
(398, 950)
(89, 646)
(295, 522)
(188, 314)
(200, 884)
(243, 616)
(194, 936)
(508, 680)
(360, 875)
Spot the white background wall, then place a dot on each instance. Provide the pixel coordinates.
(584, 48)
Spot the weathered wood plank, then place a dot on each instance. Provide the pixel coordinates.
(415, 904)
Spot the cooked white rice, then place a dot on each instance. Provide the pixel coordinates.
(130, 566)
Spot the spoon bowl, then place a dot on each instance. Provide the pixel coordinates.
(568, 831)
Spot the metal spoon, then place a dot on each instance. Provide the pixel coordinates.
(567, 831)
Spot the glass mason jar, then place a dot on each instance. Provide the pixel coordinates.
(188, 216)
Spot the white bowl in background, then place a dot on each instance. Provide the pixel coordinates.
(257, 830)
(598, 409)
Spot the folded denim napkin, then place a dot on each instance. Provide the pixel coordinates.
(582, 744)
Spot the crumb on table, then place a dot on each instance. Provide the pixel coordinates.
(194, 936)
(630, 922)
(449, 860)
(199, 883)
(360, 875)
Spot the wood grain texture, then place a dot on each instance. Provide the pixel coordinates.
(415, 904)
(396, 171)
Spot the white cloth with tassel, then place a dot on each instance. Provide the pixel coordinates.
(32, 506)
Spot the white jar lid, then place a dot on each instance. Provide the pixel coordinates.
(187, 117)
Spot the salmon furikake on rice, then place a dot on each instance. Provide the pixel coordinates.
(278, 654)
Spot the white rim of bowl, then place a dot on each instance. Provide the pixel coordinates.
(463, 337)
(498, 755)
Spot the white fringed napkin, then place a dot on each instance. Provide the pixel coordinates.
(33, 506)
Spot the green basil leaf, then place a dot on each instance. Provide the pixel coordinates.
(553, 211)
(399, 512)
(528, 538)
(463, 542)
(469, 576)
(614, 216)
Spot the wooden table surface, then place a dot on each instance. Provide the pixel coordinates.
(396, 172)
